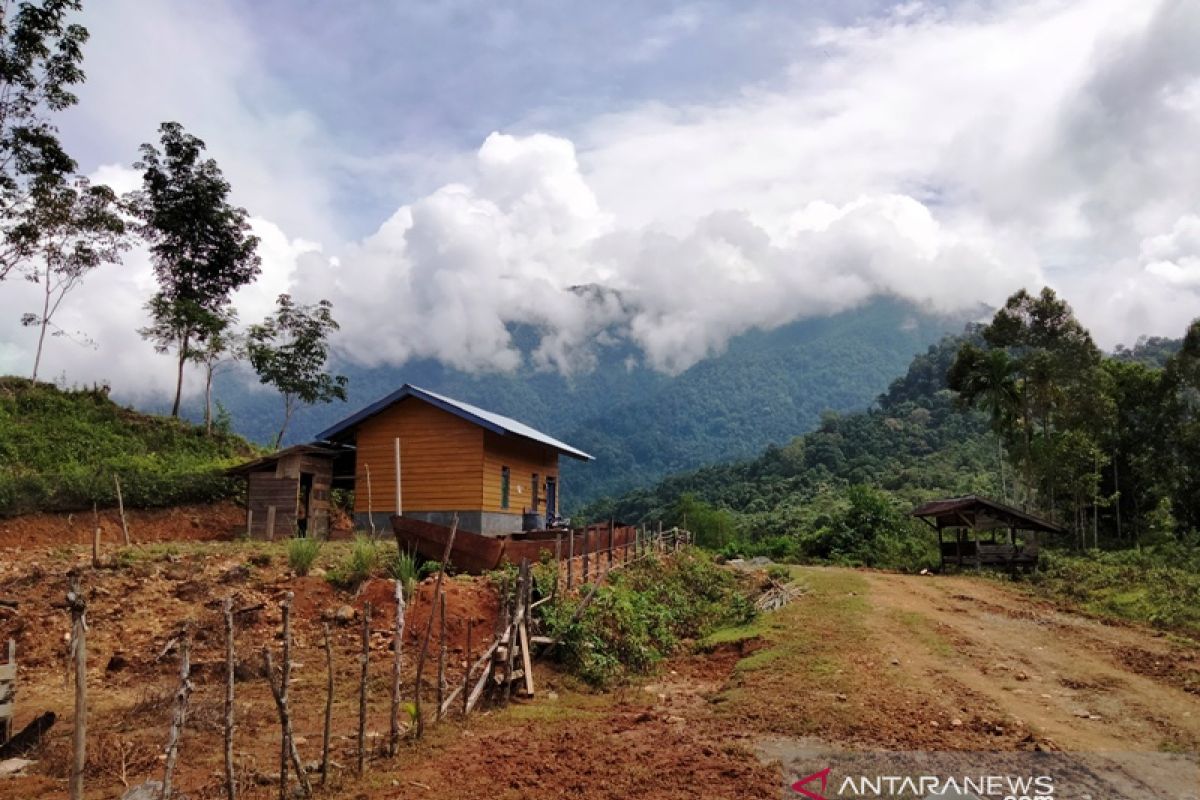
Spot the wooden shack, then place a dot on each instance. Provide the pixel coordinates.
(428, 457)
(288, 492)
(1013, 540)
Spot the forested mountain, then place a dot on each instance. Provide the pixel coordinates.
(1025, 409)
(642, 424)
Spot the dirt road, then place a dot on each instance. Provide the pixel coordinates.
(860, 660)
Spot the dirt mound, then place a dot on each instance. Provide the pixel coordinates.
(205, 522)
(467, 599)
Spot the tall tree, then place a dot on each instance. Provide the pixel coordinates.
(987, 379)
(40, 57)
(200, 244)
(72, 227)
(289, 351)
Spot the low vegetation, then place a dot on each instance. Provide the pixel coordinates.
(301, 553)
(60, 449)
(1159, 585)
(644, 614)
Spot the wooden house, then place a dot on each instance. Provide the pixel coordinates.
(287, 493)
(428, 457)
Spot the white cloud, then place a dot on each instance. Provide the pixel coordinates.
(948, 156)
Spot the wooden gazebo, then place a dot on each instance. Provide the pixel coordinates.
(969, 517)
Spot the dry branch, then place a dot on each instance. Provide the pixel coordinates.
(230, 664)
(328, 708)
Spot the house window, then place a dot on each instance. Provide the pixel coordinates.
(504, 481)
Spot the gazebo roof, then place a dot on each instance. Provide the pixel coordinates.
(980, 513)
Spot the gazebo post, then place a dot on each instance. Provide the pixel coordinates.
(941, 552)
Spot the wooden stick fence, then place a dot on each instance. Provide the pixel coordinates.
(504, 665)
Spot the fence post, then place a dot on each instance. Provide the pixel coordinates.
(570, 560)
(397, 662)
(181, 706)
(121, 508)
(611, 533)
(230, 659)
(328, 708)
(466, 688)
(78, 606)
(441, 685)
(364, 659)
(270, 523)
(587, 546)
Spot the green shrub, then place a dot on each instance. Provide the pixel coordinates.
(643, 614)
(301, 553)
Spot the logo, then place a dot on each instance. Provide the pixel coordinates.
(822, 776)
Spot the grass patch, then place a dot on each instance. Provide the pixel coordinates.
(1155, 585)
(59, 451)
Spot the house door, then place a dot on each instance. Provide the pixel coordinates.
(551, 499)
(306, 483)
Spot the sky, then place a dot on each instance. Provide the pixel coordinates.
(442, 170)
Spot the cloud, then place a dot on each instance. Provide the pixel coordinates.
(946, 154)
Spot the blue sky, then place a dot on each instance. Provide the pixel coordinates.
(443, 170)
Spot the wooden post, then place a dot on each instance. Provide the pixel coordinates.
(285, 716)
(179, 719)
(270, 523)
(364, 660)
(587, 546)
(571, 560)
(121, 508)
(437, 591)
(513, 627)
(557, 562)
(399, 504)
(285, 743)
(95, 537)
(370, 509)
(230, 663)
(249, 522)
(397, 662)
(328, 708)
(441, 685)
(78, 606)
(8, 675)
(466, 687)
(611, 534)
(658, 545)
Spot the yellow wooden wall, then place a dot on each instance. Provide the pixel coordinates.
(441, 460)
(523, 458)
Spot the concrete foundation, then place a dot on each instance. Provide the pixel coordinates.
(488, 523)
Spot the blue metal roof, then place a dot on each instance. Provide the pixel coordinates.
(496, 423)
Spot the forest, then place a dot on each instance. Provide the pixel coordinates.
(1025, 409)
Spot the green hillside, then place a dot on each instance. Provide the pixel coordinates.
(59, 451)
(796, 500)
(641, 424)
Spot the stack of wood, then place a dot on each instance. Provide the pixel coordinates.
(778, 596)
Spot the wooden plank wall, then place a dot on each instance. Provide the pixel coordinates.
(266, 490)
(441, 461)
(523, 458)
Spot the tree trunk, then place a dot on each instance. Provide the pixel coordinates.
(183, 354)
(208, 416)
(45, 322)
(288, 408)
